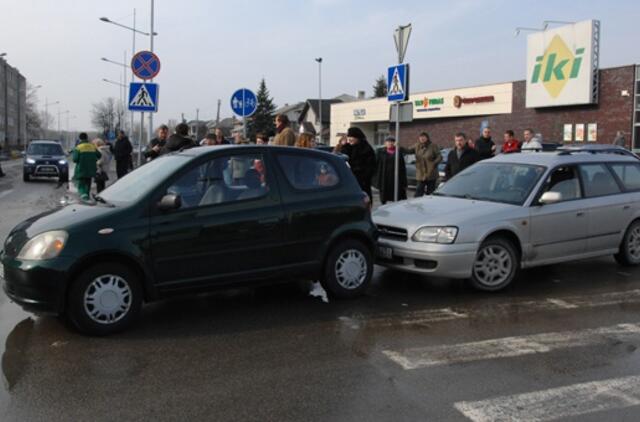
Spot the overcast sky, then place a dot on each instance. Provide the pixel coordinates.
(208, 48)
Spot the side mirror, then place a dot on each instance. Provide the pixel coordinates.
(550, 198)
(170, 202)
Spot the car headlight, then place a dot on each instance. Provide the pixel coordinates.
(62, 162)
(436, 234)
(46, 245)
(30, 161)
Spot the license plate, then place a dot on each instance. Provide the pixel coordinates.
(47, 170)
(385, 252)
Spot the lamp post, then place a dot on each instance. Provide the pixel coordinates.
(319, 60)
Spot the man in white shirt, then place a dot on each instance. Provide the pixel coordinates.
(530, 141)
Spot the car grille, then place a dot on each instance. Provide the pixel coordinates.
(392, 233)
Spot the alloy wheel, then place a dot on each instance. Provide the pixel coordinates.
(633, 244)
(493, 265)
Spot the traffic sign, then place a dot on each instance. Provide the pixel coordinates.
(143, 97)
(145, 65)
(398, 83)
(244, 102)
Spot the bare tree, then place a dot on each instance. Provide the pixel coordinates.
(32, 118)
(106, 116)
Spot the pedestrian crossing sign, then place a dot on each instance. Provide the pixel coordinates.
(143, 97)
(398, 83)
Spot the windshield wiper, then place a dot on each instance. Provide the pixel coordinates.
(100, 199)
(439, 194)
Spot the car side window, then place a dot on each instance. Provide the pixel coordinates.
(629, 174)
(222, 180)
(598, 180)
(564, 180)
(308, 173)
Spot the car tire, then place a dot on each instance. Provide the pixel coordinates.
(115, 288)
(348, 269)
(629, 254)
(26, 178)
(496, 265)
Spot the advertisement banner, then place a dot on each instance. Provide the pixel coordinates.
(562, 65)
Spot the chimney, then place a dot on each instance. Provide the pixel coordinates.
(360, 95)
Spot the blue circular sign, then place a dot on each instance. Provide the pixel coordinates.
(145, 65)
(244, 102)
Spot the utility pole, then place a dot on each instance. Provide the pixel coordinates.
(218, 113)
(401, 38)
(151, 49)
(197, 123)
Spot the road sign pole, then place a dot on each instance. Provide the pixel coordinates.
(151, 49)
(397, 157)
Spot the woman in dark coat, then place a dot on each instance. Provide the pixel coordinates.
(362, 158)
(385, 176)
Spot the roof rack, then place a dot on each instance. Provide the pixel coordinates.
(592, 149)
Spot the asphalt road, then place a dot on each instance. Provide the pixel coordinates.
(561, 344)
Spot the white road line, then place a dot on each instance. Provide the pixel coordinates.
(555, 403)
(506, 347)
(5, 193)
(481, 310)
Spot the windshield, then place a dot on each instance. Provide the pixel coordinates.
(143, 180)
(496, 182)
(45, 149)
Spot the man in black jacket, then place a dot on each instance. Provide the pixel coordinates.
(461, 157)
(179, 140)
(156, 144)
(122, 154)
(484, 145)
(362, 158)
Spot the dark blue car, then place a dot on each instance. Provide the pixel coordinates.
(45, 159)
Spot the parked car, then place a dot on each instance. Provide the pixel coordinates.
(45, 158)
(517, 211)
(196, 220)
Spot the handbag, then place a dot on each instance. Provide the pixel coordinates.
(101, 176)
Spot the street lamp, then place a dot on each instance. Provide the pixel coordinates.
(319, 60)
(107, 20)
(123, 93)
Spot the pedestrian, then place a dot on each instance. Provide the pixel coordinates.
(342, 141)
(85, 156)
(210, 140)
(238, 139)
(386, 171)
(157, 143)
(179, 140)
(362, 158)
(428, 157)
(103, 164)
(285, 135)
(531, 142)
(220, 139)
(122, 154)
(511, 144)
(619, 139)
(484, 145)
(262, 139)
(305, 140)
(461, 157)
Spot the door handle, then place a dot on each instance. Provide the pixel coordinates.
(627, 207)
(580, 214)
(272, 220)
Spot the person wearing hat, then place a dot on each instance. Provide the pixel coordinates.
(386, 172)
(362, 158)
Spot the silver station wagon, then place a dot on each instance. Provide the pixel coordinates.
(518, 211)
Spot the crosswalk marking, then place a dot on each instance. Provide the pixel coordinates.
(448, 354)
(483, 309)
(556, 403)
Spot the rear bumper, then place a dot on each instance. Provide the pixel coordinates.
(450, 261)
(36, 286)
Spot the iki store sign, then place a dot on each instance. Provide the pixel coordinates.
(562, 65)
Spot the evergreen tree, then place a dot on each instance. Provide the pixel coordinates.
(380, 87)
(262, 119)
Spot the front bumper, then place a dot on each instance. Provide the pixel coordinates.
(450, 261)
(47, 170)
(36, 286)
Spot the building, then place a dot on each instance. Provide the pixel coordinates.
(565, 98)
(293, 112)
(13, 104)
(310, 117)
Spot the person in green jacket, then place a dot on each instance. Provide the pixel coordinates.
(85, 155)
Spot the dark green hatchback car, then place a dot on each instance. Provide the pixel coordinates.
(200, 219)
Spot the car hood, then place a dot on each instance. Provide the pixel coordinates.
(46, 157)
(65, 218)
(439, 210)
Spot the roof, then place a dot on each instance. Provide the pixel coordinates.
(550, 159)
(199, 151)
(44, 141)
(314, 105)
(289, 107)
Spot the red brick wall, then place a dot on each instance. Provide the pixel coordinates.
(612, 113)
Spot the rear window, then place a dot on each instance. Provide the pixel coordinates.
(629, 174)
(45, 149)
(597, 180)
(308, 173)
